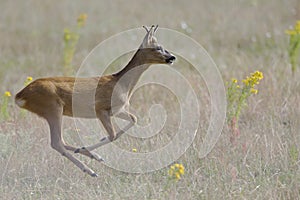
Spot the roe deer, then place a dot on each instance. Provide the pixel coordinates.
(51, 98)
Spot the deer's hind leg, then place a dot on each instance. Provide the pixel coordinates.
(89, 154)
(54, 119)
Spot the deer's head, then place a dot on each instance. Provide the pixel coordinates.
(153, 52)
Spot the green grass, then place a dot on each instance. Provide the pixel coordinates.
(241, 37)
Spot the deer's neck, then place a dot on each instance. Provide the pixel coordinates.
(130, 74)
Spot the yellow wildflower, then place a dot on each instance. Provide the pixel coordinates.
(67, 34)
(81, 19)
(134, 150)
(181, 166)
(234, 80)
(253, 79)
(176, 171)
(253, 91)
(295, 31)
(246, 81)
(293, 49)
(177, 175)
(291, 32)
(7, 94)
(181, 171)
(259, 75)
(29, 78)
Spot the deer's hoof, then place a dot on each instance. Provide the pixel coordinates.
(96, 157)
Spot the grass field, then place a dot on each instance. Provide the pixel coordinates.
(241, 36)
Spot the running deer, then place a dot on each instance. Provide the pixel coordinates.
(51, 98)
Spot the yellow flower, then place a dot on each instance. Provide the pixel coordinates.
(7, 94)
(253, 79)
(29, 78)
(253, 91)
(259, 75)
(134, 150)
(177, 175)
(67, 34)
(246, 81)
(176, 171)
(234, 80)
(81, 19)
(181, 171)
(291, 32)
(181, 166)
(295, 31)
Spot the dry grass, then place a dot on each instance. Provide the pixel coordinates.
(241, 36)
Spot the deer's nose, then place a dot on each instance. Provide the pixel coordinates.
(170, 59)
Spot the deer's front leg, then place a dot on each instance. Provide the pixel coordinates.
(128, 117)
(105, 118)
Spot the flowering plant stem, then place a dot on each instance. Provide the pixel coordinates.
(294, 45)
(4, 105)
(71, 39)
(237, 96)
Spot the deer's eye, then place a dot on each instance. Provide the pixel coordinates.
(158, 48)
